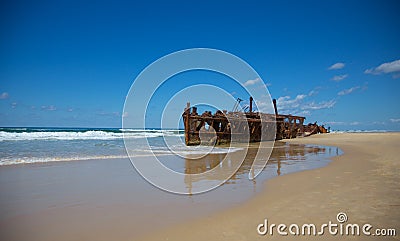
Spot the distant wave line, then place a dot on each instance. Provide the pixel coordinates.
(84, 135)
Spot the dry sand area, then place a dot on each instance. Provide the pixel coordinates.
(363, 183)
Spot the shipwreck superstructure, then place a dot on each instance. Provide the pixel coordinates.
(223, 126)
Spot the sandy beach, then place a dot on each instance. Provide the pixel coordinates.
(106, 199)
(363, 183)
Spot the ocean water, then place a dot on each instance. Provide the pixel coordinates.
(39, 145)
(48, 145)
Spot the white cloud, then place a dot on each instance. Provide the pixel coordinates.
(353, 123)
(303, 113)
(395, 120)
(312, 93)
(285, 102)
(338, 78)
(264, 106)
(385, 68)
(109, 114)
(298, 106)
(14, 105)
(283, 98)
(320, 105)
(337, 66)
(252, 81)
(335, 123)
(4, 96)
(48, 107)
(348, 91)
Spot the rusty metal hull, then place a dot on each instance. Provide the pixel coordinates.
(225, 127)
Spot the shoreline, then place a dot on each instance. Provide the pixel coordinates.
(363, 183)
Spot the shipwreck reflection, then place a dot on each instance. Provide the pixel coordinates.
(284, 159)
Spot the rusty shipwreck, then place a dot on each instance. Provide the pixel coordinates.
(222, 127)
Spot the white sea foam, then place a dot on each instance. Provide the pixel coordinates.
(141, 153)
(86, 135)
(361, 131)
(30, 160)
(32, 145)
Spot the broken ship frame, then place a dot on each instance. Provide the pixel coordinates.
(224, 126)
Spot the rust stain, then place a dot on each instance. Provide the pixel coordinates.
(218, 128)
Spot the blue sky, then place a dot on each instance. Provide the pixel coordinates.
(71, 63)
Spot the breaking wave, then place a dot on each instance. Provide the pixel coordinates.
(19, 134)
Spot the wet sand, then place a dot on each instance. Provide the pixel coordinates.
(363, 183)
(106, 199)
